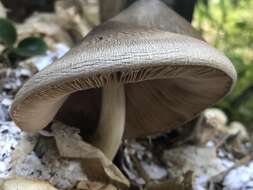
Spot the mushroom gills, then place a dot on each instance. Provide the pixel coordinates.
(152, 107)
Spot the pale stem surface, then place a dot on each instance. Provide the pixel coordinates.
(111, 125)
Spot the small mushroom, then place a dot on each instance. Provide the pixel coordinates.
(143, 72)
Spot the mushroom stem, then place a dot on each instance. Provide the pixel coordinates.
(112, 120)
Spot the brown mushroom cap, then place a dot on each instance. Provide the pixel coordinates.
(169, 78)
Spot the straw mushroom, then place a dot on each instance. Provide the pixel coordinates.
(142, 72)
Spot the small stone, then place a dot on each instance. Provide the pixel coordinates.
(5, 131)
(215, 117)
(2, 167)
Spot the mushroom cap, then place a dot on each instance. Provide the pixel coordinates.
(169, 79)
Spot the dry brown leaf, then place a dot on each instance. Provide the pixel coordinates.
(87, 185)
(25, 184)
(96, 165)
(91, 11)
(93, 185)
(46, 25)
(70, 14)
(175, 184)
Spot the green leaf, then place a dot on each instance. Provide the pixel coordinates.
(241, 24)
(31, 46)
(8, 33)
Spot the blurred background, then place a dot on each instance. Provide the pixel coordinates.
(228, 26)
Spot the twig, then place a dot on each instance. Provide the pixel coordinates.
(140, 169)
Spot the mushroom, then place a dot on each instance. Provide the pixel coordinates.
(143, 72)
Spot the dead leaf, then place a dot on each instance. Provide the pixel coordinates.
(184, 158)
(25, 184)
(70, 14)
(96, 165)
(93, 185)
(46, 25)
(175, 184)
